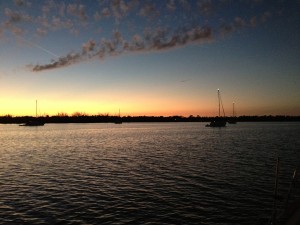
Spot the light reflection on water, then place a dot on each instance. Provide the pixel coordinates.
(143, 173)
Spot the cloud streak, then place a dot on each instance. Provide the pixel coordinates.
(67, 60)
(155, 41)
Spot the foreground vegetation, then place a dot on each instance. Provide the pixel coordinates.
(81, 118)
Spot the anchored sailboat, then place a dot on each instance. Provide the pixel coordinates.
(218, 121)
(119, 119)
(232, 120)
(34, 122)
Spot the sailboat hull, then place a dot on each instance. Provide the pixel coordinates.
(232, 121)
(33, 123)
(217, 122)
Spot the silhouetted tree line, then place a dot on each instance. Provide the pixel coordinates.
(82, 118)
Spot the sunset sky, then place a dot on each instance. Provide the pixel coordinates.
(149, 57)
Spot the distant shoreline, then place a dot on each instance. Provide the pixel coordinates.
(128, 119)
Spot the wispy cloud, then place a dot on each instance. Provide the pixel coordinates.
(14, 17)
(135, 26)
(242, 23)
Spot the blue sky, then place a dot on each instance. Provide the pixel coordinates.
(150, 57)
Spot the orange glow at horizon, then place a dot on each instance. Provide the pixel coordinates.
(21, 107)
(126, 110)
(137, 105)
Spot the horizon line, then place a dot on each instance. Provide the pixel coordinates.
(79, 114)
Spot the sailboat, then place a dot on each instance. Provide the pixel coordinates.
(218, 121)
(232, 120)
(34, 122)
(119, 120)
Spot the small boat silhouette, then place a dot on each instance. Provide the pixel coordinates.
(218, 121)
(36, 121)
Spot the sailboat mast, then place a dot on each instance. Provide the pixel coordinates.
(35, 108)
(219, 101)
(233, 109)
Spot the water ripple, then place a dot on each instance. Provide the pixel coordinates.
(170, 173)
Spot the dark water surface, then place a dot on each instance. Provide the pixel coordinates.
(143, 173)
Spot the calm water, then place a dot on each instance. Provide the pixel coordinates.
(143, 173)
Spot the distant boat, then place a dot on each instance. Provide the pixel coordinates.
(119, 119)
(36, 121)
(218, 121)
(233, 119)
